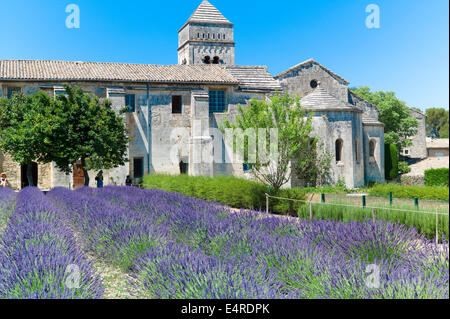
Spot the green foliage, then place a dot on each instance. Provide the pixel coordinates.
(86, 129)
(437, 122)
(436, 177)
(424, 223)
(25, 124)
(294, 127)
(312, 164)
(395, 114)
(401, 191)
(403, 167)
(391, 161)
(228, 190)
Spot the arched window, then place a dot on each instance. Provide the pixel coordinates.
(338, 145)
(313, 84)
(372, 145)
(207, 60)
(216, 60)
(218, 36)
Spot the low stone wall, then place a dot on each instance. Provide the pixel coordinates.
(415, 180)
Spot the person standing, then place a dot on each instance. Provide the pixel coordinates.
(99, 179)
(128, 181)
(3, 180)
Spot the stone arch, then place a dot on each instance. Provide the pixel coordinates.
(207, 59)
(216, 60)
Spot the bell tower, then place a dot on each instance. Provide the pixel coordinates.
(206, 38)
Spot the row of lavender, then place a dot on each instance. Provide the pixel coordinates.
(39, 257)
(179, 247)
(7, 201)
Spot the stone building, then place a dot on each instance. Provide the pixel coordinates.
(418, 149)
(176, 109)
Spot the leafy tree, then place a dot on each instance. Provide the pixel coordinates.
(394, 113)
(312, 166)
(88, 130)
(294, 127)
(437, 122)
(24, 125)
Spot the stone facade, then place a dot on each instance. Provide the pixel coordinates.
(418, 149)
(174, 117)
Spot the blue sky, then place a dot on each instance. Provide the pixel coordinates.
(408, 54)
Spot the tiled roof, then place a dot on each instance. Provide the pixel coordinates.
(310, 61)
(207, 13)
(40, 70)
(321, 100)
(437, 142)
(254, 78)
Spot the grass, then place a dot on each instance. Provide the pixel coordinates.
(424, 223)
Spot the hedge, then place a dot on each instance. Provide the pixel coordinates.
(436, 177)
(228, 190)
(400, 191)
(391, 161)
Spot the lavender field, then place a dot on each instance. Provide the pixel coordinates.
(166, 245)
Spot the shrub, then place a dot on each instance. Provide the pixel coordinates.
(403, 168)
(436, 177)
(401, 191)
(228, 190)
(391, 161)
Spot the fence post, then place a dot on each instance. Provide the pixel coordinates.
(267, 203)
(390, 198)
(364, 200)
(437, 226)
(323, 197)
(416, 202)
(310, 211)
(373, 215)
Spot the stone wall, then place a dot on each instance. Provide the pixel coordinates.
(373, 166)
(418, 149)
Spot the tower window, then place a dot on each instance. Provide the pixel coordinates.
(214, 35)
(198, 35)
(176, 104)
(207, 60)
(218, 36)
(217, 101)
(216, 60)
(338, 145)
(313, 84)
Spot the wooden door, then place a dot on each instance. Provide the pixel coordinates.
(78, 176)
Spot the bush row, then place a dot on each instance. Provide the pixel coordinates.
(228, 190)
(436, 177)
(400, 191)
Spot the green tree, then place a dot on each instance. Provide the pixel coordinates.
(394, 113)
(294, 127)
(24, 125)
(88, 130)
(437, 122)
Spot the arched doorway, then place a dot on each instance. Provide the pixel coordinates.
(23, 175)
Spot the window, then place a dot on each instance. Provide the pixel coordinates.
(216, 60)
(223, 36)
(207, 59)
(246, 167)
(338, 146)
(138, 167)
(313, 84)
(11, 90)
(406, 152)
(217, 101)
(130, 102)
(218, 36)
(176, 104)
(372, 148)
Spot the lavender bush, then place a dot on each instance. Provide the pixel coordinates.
(180, 247)
(39, 257)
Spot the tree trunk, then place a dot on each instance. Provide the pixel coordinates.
(85, 172)
(30, 174)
